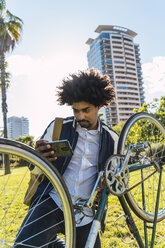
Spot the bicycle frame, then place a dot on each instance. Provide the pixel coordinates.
(129, 219)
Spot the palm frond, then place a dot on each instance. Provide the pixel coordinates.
(15, 24)
(14, 31)
(6, 42)
(2, 28)
(10, 31)
(13, 17)
(2, 5)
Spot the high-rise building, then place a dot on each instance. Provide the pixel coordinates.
(114, 53)
(17, 126)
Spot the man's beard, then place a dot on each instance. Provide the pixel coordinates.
(85, 123)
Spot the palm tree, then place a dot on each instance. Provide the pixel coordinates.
(7, 82)
(10, 32)
(7, 77)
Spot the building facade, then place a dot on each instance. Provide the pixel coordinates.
(17, 126)
(114, 53)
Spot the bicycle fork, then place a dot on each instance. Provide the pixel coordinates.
(97, 220)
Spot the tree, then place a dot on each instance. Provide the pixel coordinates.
(27, 140)
(156, 107)
(137, 133)
(10, 32)
(118, 127)
(160, 112)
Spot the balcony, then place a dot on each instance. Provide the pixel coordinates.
(106, 56)
(138, 60)
(133, 66)
(117, 39)
(136, 47)
(113, 111)
(125, 111)
(128, 41)
(107, 63)
(118, 49)
(105, 43)
(131, 76)
(125, 99)
(129, 106)
(126, 80)
(113, 116)
(105, 52)
(129, 95)
(126, 84)
(137, 54)
(139, 71)
(131, 59)
(120, 91)
(128, 46)
(129, 56)
(120, 69)
(108, 73)
(108, 68)
(131, 71)
(119, 62)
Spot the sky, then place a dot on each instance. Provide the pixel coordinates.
(53, 45)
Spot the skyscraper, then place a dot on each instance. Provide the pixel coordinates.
(17, 126)
(114, 53)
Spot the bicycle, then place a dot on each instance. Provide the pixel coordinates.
(141, 155)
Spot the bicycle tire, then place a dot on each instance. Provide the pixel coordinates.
(11, 221)
(142, 127)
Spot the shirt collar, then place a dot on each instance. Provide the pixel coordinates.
(95, 131)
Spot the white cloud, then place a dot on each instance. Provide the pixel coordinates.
(154, 78)
(33, 87)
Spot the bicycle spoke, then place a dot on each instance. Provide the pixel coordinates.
(13, 187)
(142, 128)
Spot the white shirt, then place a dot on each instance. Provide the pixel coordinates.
(80, 175)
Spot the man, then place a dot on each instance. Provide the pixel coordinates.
(92, 142)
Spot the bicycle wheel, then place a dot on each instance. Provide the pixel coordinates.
(140, 128)
(14, 185)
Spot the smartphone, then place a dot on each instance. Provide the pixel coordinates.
(61, 148)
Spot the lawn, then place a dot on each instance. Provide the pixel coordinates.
(116, 230)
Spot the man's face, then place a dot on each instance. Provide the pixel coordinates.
(86, 114)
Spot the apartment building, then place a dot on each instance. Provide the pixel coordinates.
(17, 126)
(113, 52)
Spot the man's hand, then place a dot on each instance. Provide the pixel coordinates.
(45, 149)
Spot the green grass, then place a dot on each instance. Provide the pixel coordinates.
(7, 198)
(115, 231)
